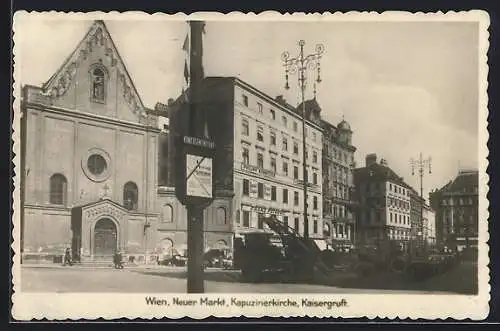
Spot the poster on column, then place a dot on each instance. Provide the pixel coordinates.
(199, 176)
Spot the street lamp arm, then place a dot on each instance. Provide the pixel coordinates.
(300, 65)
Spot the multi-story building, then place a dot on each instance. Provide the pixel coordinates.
(262, 154)
(93, 169)
(384, 198)
(417, 204)
(89, 156)
(429, 225)
(338, 185)
(456, 206)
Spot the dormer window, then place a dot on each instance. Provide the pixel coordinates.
(98, 85)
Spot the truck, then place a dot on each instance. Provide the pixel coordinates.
(277, 252)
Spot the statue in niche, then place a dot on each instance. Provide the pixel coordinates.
(98, 85)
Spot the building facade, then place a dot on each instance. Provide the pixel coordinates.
(429, 225)
(261, 158)
(384, 204)
(91, 154)
(338, 185)
(417, 204)
(456, 206)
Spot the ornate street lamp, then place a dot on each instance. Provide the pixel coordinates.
(300, 65)
(421, 165)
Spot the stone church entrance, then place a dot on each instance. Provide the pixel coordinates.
(105, 238)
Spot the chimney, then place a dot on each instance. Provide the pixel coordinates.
(170, 101)
(371, 159)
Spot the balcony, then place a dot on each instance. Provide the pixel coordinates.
(339, 219)
(301, 183)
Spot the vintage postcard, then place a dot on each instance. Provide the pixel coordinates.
(321, 165)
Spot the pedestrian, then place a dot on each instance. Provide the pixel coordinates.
(67, 257)
(117, 260)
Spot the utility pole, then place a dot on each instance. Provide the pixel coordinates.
(195, 240)
(195, 155)
(421, 165)
(300, 65)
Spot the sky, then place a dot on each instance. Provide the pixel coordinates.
(405, 87)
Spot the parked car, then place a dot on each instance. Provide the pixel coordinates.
(217, 258)
(176, 260)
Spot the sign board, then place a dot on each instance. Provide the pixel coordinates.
(195, 161)
(198, 176)
(198, 142)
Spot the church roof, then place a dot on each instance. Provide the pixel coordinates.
(97, 36)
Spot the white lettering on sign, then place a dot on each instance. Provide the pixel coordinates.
(265, 210)
(199, 176)
(257, 170)
(199, 142)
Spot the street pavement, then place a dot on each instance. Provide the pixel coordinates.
(56, 278)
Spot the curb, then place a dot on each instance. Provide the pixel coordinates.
(91, 267)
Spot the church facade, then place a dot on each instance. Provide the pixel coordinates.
(91, 164)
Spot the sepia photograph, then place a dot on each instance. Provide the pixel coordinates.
(245, 163)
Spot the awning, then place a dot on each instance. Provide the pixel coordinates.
(321, 244)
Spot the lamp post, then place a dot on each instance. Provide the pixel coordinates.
(300, 65)
(421, 165)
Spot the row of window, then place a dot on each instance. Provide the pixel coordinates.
(273, 140)
(399, 218)
(399, 234)
(59, 192)
(338, 173)
(272, 164)
(377, 187)
(397, 203)
(272, 115)
(273, 194)
(338, 154)
(339, 191)
(459, 201)
(335, 209)
(260, 223)
(398, 189)
(341, 231)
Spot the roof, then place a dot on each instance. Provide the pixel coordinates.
(97, 36)
(211, 81)
(310, 104)
(465, 181)
(344, 125)
(379, 172)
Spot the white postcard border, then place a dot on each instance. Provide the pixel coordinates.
(58, 306)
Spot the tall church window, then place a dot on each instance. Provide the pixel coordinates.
(130, 196)
(58, 189)
(98, 85)
(168, 213)
(221, 215)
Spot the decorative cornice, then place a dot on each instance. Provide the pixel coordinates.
(92, 117)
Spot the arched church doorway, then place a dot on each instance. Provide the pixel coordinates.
(105, 237)
(166, 247)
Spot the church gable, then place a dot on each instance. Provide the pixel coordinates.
(94, 79)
